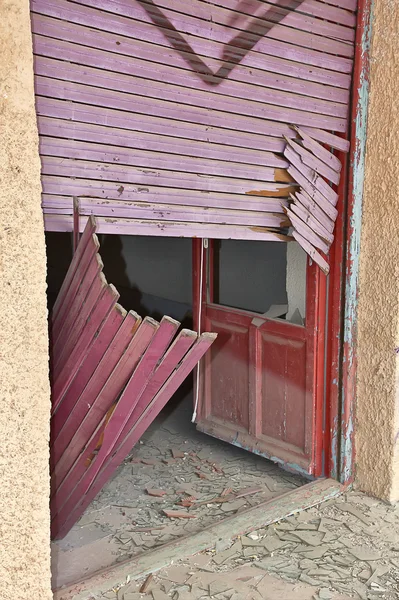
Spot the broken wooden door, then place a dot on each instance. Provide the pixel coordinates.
(260, 386)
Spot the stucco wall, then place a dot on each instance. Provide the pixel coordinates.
(24, 386)
(377, 426)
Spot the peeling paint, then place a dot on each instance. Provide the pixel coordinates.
(359, 135)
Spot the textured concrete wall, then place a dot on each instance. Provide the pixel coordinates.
(24, 383)
(377, 455)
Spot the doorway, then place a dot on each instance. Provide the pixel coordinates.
(175, 467)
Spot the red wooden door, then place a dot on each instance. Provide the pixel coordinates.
(261, 384)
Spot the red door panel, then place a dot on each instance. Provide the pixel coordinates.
(258, 383)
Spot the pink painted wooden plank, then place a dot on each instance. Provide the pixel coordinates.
(194, 123)
(50, 146)
(306, 232)
(208, 42)
(122, 174)
(87, 259)
(86, 238)
(311, 161)
(169, 229)
(313, 223)
(165, 212)
(64, 500)
(157, 143)
(302, 199)
(313, 8)
(89, 365)
(325, 137)
(296, 160)
(134, 389)
(175, 354)
(82, 345)
(313, 193)
(54, 204)
(318, 150)
(160, 400)
(252, 8)
(92, 289)
(66, 321)
(310, 250)
(317, 181)
(126, 47)
(233, 99)
(189, 24)
(170, 361)
(110, 375)
(117, 371)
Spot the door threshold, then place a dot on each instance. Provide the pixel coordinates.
(244, 522)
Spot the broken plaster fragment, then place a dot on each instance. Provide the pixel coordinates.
(156, 493)
(363, 553)
(178, 514)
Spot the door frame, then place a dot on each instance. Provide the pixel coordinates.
(335, 374)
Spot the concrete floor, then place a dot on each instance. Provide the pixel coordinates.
(176, 468)
(345, 548)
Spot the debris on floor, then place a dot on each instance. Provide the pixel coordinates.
(346, 548)
(112, 373)
(131, 507)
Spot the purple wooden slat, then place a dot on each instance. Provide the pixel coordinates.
(250, 76)
(313, 223)
(207, 43)
(91, 205)
(142, 177)
(64, 500)
(314, 193)
(165, 212)
(276, 105)
(314, 255)
(324, 188)
(87, 258)
(85, 496)
(134, 389)
(194, 123)
(155, 160)
(83, 376)
(169, 363)
(325, 137)
(121, 353)
(306, 232)
(92, 289)
(250, 9)
(216, 15)
(76, 262)
(156, 143)
(84, 342)
(302, 199)
(189, 24)
(311, 161)
(112, 385)
(318, 150)
(169, 229)
(317, 181)
(66, 321)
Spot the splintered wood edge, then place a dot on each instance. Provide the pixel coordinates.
(262, 515)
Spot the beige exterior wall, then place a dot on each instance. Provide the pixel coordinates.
(24, 382)
(377, 423)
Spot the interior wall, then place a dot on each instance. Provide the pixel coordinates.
(252, 274)
(25, 392)
(296, 280)
(377, 422)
